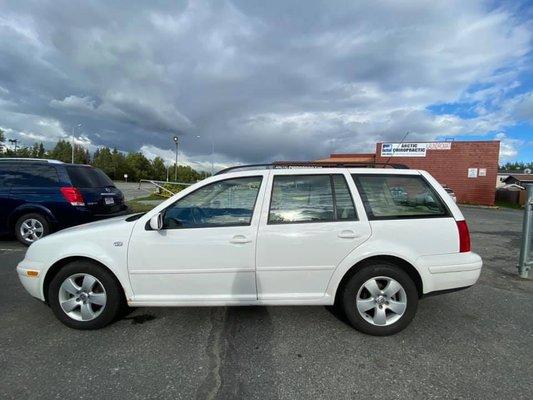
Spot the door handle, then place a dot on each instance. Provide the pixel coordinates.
(240, 239)
(348, 234)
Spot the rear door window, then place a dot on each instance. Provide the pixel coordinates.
(399, 196)
(34, 175)
(310, 198)
(88, 177)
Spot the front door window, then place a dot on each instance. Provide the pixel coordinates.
(229, 202)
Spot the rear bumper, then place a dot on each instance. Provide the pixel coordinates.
(82, 215)
(123, 211)
(450, 271)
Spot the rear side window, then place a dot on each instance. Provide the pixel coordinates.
(88, 177)
(399, 196)
(34, 175)
(310, 198)
(7, 175)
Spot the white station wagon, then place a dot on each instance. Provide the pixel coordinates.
(371, 241)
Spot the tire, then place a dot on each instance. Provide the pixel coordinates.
(91, 295)
(380, 299)
(31, 227)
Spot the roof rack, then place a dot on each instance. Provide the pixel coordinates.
(311, 164)
(17, 159)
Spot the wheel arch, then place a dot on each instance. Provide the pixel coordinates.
(56, 267)
(400, 262)
(30, 209)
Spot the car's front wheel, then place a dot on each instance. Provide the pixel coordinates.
(380, 299)
(84, 295)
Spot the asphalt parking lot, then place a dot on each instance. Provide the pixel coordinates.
(473, 344)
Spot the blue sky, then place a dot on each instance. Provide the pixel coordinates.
(258, 81)
(517, 133)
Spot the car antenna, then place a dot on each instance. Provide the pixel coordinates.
(401, 142)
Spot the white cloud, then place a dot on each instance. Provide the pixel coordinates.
(74, 103)
(263, 81)
(508, 146)
(168, 157)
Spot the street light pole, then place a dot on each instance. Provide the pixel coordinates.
(176, 162)
(212, 157)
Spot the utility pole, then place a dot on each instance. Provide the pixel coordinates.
(176, 162)
(212, 154)
(525, 261)
(15, 142)
(212, 157)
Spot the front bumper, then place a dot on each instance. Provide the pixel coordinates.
(31, 276)
(450, 271)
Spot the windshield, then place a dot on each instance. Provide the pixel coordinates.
(88, 177)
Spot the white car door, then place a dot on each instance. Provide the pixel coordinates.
(309, 224)
(205, 252)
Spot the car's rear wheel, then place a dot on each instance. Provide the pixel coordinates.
(84, 295)
(380, 299)
(31, 227)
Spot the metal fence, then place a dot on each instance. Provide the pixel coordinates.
(163, 187)
(526, 251)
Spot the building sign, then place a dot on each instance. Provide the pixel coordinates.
(439, 146)
(472, 172)
(403, 149)
(412, 149)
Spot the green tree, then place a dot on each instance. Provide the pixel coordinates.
(24, 152)
(41, 153)
(159, 171)
(516, 166)
(37, 150)
(187, 174)
(63, 152)
(119, 164)
(2, 147)
(138, 166)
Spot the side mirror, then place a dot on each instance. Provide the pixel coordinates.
(156, 222)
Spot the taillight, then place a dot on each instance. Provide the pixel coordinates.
(73, 196)
(464, 237)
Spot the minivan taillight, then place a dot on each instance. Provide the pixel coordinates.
(73, 196)
(464, 237)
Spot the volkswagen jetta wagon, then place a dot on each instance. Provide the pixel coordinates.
(271, 235)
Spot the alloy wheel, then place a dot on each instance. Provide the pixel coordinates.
(82, 297)
(31, 230)
(381, 301)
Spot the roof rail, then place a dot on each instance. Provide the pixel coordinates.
(311, 164)
(31, 159)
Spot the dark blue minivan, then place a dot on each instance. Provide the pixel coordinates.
(41, 196)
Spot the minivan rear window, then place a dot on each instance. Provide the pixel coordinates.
(88, 177)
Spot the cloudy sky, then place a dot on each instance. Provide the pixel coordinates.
(266, 80)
